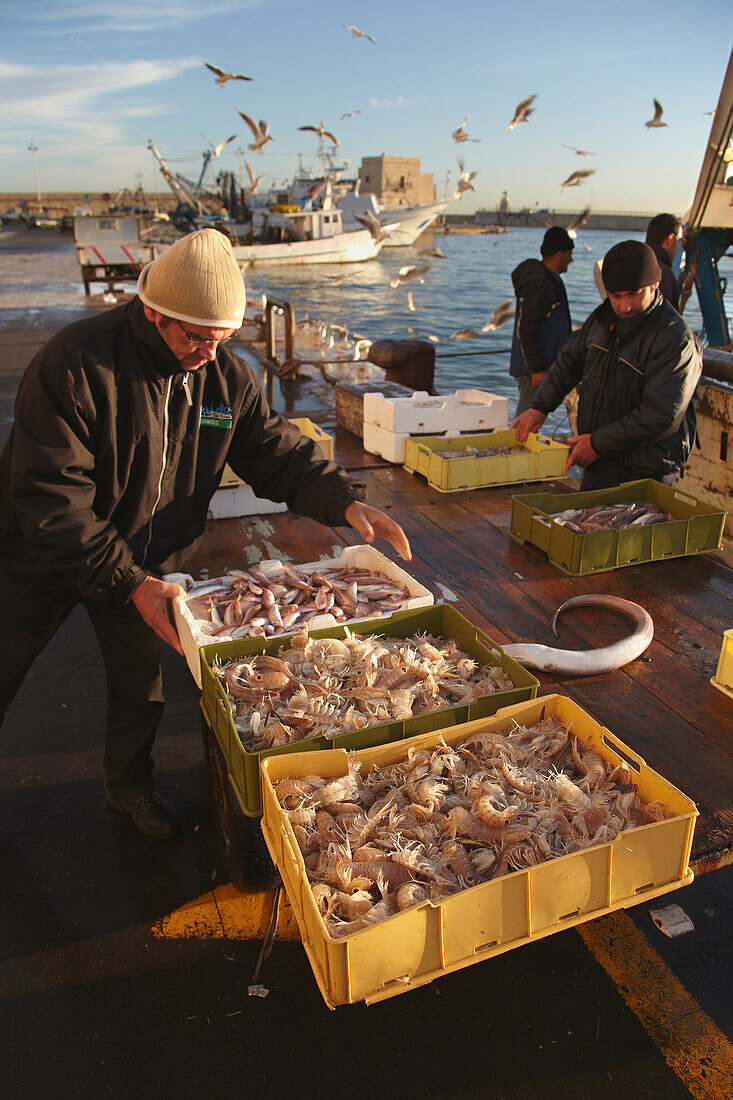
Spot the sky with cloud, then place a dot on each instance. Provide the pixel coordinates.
(89, 82)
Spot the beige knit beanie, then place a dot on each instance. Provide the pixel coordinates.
(196, 280)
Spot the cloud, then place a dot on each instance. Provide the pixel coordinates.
(62, 103)
(92, 16)
(400, 101)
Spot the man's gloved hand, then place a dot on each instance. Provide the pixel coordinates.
(152, 599)
(371, 524)
(530, 421)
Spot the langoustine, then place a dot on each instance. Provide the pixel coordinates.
(325, 686)
(449, 818)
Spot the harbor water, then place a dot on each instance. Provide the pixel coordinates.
(39, 273)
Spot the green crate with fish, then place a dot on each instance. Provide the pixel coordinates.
(457, 463)
(354, 687)
(639, 521)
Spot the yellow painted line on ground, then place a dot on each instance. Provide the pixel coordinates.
(697, 1051)
(224, 913)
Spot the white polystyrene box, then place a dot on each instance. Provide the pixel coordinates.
(422, 414)
(239, 500)
(390, 445)
(359, 557)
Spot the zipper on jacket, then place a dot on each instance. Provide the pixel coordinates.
(166, 419)
(189, 399)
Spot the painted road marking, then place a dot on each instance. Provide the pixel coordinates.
(692, 1045)
(224, 913)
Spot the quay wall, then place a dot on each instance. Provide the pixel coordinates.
(542, 218)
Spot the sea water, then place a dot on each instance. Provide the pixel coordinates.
(460, 291)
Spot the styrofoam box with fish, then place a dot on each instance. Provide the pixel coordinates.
(421, 413)
(351, 557)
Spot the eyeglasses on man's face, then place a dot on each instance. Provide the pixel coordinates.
(198, 343)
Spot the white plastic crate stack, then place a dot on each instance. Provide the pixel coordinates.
(388, 422)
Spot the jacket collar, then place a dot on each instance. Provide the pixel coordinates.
(627, 328)
(158, 356)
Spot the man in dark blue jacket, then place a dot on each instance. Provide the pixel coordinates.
(542, 320)
(637, 365)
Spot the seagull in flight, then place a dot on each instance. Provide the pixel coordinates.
(261, 133)
(580, 152)
(522, 112)
(460, 133)
(576, 178)
(322, 133)
(500, 316)
(464, 181)
(216, 150)
(375, 227)
(657, 120)
(223, 76)
(349, 114)
(464, 334)
(357, 33)
(579, 220)
(254, 181)
(408, 273)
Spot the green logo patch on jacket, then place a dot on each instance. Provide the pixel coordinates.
(219, 417)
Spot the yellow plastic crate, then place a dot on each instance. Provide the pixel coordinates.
(312, 431)
(723, 678)
(422, 943)
(542, 460)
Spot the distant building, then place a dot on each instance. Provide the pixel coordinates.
(504, 205)
(396, 181)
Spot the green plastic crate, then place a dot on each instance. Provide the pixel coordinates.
(542, 460)
(696, 529)
(441, 620)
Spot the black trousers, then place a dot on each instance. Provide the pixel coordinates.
(606, 473)
(29, 618)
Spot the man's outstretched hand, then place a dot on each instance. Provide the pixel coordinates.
(153, 598)
(529, 421)
(371, 524)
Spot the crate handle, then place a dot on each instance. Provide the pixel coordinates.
(544, 439)
(684, 497)
(633, 759)
(422, 449)
(484, 639)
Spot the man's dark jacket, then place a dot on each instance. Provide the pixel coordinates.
(668, 283)
(637, 379)
(542, 320)
(112, 459)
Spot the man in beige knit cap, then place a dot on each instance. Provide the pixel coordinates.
(124, 423)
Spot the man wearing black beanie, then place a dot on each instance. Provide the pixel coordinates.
(542, 319)
(637, 365)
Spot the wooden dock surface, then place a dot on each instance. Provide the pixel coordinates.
(662, 705)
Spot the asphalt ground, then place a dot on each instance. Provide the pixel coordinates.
(95, 1004)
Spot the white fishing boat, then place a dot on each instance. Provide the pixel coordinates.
(287, 234)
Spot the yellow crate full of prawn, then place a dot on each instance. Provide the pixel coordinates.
(432, 938)
(537, 459)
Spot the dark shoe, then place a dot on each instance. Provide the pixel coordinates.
(151, 813)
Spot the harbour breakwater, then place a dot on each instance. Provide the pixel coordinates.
(631, 223)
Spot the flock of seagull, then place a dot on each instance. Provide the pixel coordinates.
(521, 114)
(324, 334)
